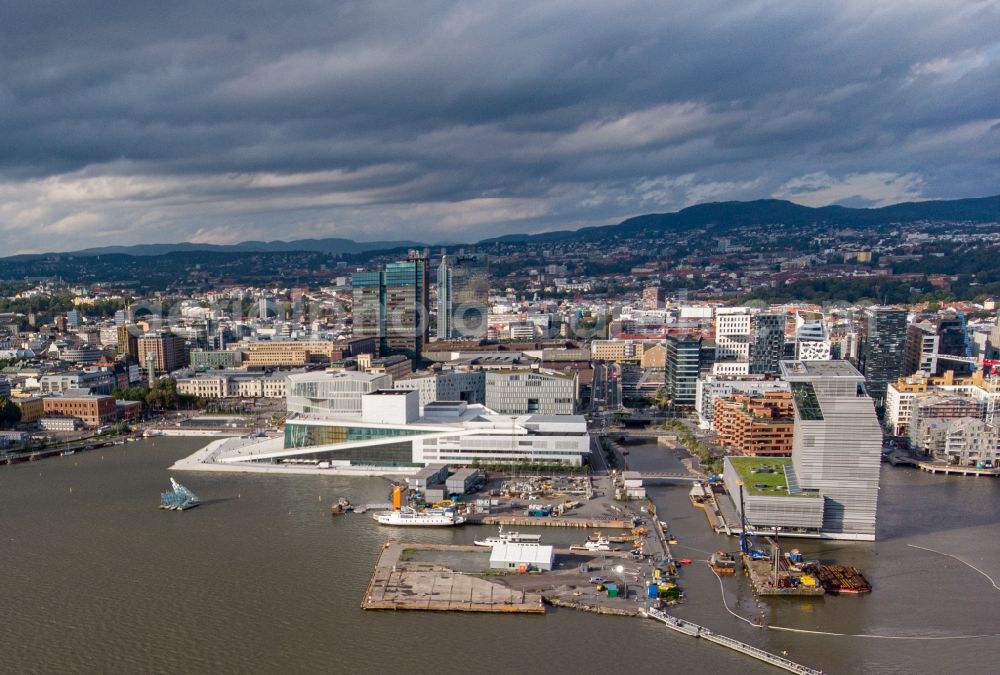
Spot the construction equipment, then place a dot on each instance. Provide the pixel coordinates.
(748, 545)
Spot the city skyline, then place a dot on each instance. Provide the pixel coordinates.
(458, 121)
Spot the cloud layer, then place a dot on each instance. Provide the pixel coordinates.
(224, 121)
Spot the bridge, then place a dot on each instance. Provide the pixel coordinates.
(669, 476)
(642, 433)
(694, 630)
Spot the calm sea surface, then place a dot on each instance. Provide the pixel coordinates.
(261, 579)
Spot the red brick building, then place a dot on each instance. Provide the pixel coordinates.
(757, 426)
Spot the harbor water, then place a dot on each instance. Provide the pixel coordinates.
(262, 579)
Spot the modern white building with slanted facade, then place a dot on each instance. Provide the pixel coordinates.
(390, 431)
(332, 392)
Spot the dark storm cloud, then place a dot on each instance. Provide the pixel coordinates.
(139, 121)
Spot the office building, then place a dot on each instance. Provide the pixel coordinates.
(767, 343)
(463, 296)
(455, 385)
(732, 341)
(837, 444)
(214, 359)
(94, 380)
(932, 340)
(128, 342)
(531, 392)
(882, 347)
(921, 351)
(619, 351)
(161, 353)
(396, 366)
(682, 367)
(390, 306)
(93, 410)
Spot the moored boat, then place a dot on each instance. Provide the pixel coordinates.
(410, 517)
(601, 543)
(722, 562)
(508, 538)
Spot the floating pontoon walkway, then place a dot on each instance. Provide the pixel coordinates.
(694, 630)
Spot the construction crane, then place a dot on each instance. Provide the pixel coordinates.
(748, 545)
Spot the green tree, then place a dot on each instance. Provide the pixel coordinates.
(10, 414)
(163, 394)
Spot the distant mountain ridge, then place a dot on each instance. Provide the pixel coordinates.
(731, 215)
(328, 245)
(721, 215)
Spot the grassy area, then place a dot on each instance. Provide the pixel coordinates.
(758, 482)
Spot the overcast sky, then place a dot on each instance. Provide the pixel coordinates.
(139, 122)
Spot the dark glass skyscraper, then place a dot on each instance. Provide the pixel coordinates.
(767, 343)
(883, 343)
(391, 307)
(463, 295)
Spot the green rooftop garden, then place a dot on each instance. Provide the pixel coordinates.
(765, 476)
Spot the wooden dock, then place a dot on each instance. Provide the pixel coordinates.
(397, 584)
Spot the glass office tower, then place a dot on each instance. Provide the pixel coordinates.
(463, 296)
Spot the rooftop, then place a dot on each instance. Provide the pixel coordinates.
(529, 371)
(808, 370)
(326, 375)
(765, 476)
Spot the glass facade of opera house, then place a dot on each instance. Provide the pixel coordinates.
(417, 445)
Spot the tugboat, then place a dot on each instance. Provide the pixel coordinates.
(180, 499)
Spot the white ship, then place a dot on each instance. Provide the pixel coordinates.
(599, 544)
(508, 538)
(407, 516)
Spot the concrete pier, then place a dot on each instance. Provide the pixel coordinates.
(397, 584)
(951, 469)
(552, 521)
